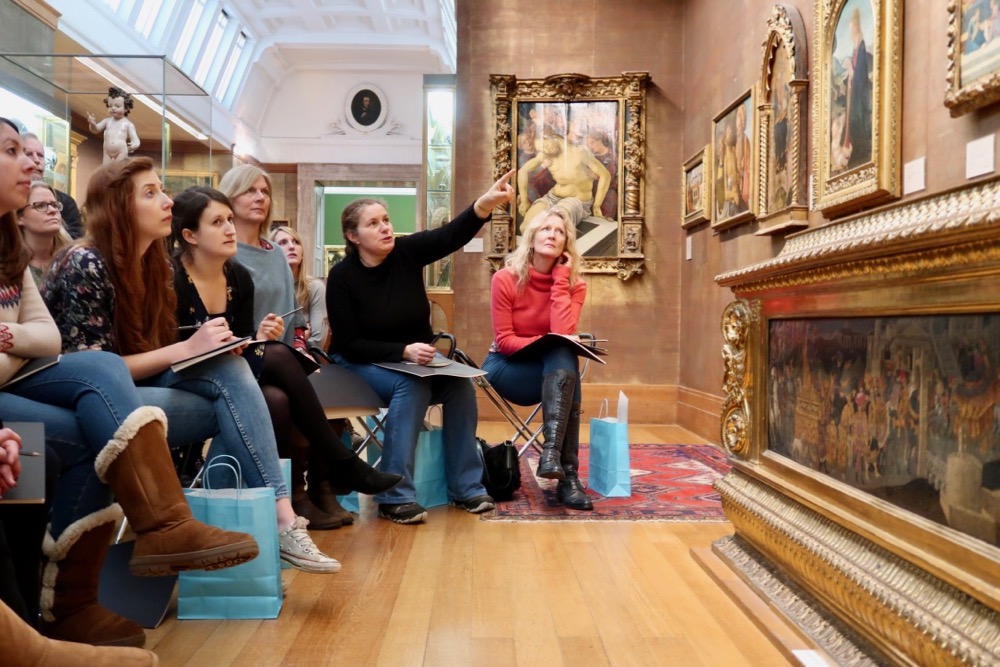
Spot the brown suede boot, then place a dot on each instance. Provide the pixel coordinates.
(69, 606)
(303, 506)
(23, 647)
(321, 493)
(136, 464)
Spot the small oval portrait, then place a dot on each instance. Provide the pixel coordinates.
(366, 108)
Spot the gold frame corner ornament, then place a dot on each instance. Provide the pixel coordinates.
(982, 91)
(737, 324)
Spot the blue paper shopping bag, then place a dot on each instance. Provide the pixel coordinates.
(610, 474)
(429, 476)
(250, 590)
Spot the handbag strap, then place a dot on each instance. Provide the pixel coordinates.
(604, 410)
(214, 462)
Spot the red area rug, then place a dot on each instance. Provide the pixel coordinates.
(669, 483)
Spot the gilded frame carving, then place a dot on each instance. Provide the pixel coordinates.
(857, 164)
(628, 92)
(735, 178)
(784, 101)
(966, 92)
(923, 592)
(696, 199)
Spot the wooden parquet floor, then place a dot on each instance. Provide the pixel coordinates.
(460, 591)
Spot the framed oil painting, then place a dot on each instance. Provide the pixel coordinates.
(734, 163)
(973, 55)
(858, 106)
(578, 143)
(696, 204)
(783, 193)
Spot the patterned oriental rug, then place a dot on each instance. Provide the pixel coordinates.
(669, 483)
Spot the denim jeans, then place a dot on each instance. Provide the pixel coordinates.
(408, 398)
(82, 401)
(520, 380)
(244, 425)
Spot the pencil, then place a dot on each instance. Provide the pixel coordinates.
(189, 327)
(291, 312)
(30, 453)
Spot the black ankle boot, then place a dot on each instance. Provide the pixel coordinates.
(557, 392)
(571, 492)
(353, 474)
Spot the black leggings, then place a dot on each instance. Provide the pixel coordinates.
(292, 402)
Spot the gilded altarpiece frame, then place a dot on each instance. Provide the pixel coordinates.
(862, 416)
(783, 107)
(618, 106)
(973, 56)
(857, 105)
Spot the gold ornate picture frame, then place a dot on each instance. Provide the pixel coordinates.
(696, 201)
(973, 56)
(734, 168)
(783, 203)
(580, 140)
(858, 104)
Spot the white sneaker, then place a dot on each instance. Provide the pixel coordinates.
(298, 550)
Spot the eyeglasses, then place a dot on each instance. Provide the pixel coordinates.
(42, 206)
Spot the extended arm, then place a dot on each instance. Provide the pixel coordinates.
(133, 136)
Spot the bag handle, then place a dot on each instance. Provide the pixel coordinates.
(215, 463)
(604, 410)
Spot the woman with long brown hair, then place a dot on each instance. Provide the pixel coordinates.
(113, 291)
(108, 441)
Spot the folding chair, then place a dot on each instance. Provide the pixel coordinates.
(522, 427)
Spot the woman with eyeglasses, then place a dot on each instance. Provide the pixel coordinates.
(42, 228)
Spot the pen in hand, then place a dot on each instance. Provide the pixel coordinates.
(291, 312)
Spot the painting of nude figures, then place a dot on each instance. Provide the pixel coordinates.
(568, 153)
(904, 408)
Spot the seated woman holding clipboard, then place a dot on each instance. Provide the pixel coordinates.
(113, 291)
(209, 284)
(379, 312)
(107, 441)
(539, 291)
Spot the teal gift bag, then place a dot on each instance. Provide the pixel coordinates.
(429, 476)
(250, 590)
(610, 474)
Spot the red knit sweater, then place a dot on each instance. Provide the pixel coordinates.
(547, 304)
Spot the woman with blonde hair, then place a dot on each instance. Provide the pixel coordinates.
(42, 228)
(539, 291)
(310, 292)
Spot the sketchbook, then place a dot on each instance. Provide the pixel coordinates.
(439, 365)
(30, 487)
(32, 367)
(198, 358)
(551, 339)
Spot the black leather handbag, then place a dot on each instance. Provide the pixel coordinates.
(501, 469)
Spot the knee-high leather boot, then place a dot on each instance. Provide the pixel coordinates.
(24, 647)
(557, 392)
(570, 491)
(69, 606)
(301, 502)
(136, 464)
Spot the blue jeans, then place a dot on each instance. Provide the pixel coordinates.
(520, 381)
(82, 400)
(244, 425)
(408, 398)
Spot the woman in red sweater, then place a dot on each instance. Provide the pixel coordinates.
(539, 291)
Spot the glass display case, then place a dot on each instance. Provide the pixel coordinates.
(438, 167)
(66, 100)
